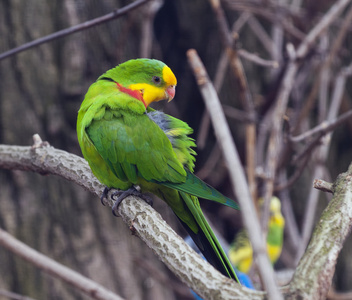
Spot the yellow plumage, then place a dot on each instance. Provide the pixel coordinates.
(241, 253)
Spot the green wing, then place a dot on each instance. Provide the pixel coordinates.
(177, 131)
(134, 146)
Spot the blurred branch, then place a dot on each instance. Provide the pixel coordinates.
(302, 159)
(143, 220)
(276, 139)
(163, 278)
(261, 34)
(14, 296)
(88, 24)
(323, 128)
(209, 165)
(236, 172)
(147, 28)
(333, 295)
(50, 266)
(321, 156)
(268, 11)
(244, 95)
(258, 60)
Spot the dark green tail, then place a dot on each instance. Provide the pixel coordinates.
(206, 240)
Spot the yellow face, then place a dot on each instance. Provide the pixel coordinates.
(156, 92)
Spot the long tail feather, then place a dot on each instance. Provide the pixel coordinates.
(197, 187)
(206, 240)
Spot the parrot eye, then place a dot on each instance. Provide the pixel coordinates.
(156, 79)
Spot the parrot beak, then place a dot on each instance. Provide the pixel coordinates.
(170, 92)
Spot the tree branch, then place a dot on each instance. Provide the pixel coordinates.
(48, 265)
(67, 31)
(142, 219)
(313, 275)
(238, 179)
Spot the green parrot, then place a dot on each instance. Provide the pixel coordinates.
(129, 144)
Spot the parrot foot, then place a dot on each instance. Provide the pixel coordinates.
(121, 195)
(104, 195)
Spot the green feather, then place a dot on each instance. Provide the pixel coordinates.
(195, 186)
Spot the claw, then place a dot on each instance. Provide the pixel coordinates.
(121, 195)
(104, 195)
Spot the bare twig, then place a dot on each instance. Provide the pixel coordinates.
(163, 278)
(290, 222)
(236, 171)
(147, 29)
(258, 60)
(58, 34)
(218, 81)
(48, 265)
(296, 175)
(321, 155)
(275, 141)
(244, 95)
(268, 12)
(13, 296)
(323, 128)
(323, 186)
(209, 165)
(261, 34)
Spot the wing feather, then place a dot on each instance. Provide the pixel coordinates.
(133, 146)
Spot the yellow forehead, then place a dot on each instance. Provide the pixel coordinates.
(275, 204)
(168, 76)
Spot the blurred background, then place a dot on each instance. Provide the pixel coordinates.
(42, 88)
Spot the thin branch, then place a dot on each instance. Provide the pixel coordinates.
(147, 28)
(269, 13)
(209, 165)
(296, 175)
(13, 296)
(323, 186)
(261, 34)
(291, 227)
(236, 172)
(276, 139)
(65, 32)
(258, 60)
(244, 94)
(321, 156)
(323, 128)
(50, 266)
(163, 278)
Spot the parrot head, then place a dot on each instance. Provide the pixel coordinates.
(275, 213)
(148, 80)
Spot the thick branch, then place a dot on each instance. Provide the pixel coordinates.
(313, 276)
(143, 220)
